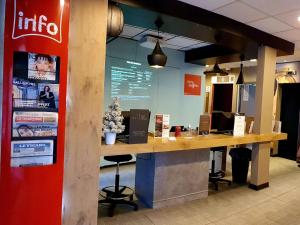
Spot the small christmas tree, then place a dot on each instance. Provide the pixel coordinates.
(112, 121)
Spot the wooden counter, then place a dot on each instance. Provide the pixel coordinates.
(188, 143)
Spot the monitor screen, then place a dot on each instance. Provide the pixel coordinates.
(222, 121)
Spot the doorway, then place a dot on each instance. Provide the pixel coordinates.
(222, 97)
(290, 106)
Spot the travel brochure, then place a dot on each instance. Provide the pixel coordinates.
(162, 125)
(239, 126)
(35, 98)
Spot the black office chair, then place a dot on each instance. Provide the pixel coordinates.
(115, 195)
(217, 177)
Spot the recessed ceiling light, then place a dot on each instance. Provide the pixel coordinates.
(253, 60)
(299, 18)
(206, 65)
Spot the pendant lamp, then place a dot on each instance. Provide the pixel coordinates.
(240, 79)
(216, 70)
(157, 59)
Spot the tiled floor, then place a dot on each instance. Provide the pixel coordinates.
(236, 205)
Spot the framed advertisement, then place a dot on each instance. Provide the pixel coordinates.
(192, 84)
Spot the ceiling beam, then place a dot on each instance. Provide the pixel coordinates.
(214, 23)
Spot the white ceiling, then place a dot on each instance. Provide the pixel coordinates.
(277, 17)
(171, 41)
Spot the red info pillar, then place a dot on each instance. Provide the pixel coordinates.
(33, 111)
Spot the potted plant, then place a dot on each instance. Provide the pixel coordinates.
(112, 122)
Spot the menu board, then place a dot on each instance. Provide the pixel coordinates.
(35, 98)
(130, 81)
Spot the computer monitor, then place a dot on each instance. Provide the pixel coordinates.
(222, 121)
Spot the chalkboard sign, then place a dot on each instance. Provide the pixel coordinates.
(138, 126)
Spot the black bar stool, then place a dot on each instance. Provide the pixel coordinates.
(217, 177)
(115, 195)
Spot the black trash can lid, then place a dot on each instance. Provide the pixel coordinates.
(241, 153)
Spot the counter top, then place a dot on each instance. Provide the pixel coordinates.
(187, 143)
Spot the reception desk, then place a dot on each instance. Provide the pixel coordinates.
(175, 171)
(188, 143)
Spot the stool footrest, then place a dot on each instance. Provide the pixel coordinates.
(120, 195)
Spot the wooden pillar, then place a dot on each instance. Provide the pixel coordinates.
(87, 45)
(263, 116)
(2, 16)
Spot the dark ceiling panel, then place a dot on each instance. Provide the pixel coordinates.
(193, 22)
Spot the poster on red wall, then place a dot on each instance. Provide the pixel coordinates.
(192, 84)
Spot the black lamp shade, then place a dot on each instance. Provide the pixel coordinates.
(240, 79)
(216, 70)
(157, 59)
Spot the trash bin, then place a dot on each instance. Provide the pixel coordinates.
(240, 164)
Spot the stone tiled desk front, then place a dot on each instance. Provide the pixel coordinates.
(170, 172)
